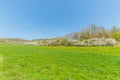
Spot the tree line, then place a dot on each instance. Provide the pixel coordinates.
(94, 31)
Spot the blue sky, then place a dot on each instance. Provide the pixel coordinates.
(34, 19)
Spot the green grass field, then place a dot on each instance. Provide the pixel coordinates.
(18, 62)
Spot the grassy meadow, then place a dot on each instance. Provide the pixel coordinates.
(19, 62)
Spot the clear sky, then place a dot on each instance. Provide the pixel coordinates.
(34, 19)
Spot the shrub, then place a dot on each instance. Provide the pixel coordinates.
(116, 35)
(96, 42)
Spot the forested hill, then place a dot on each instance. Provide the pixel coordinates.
(88, 36)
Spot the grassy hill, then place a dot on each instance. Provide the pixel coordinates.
(18, 62)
